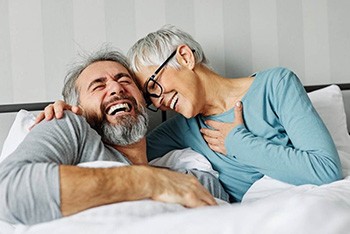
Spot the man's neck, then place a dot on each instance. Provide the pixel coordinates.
(136, 152)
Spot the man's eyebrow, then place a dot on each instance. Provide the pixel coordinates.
(103, 79)
(121, 74)
(97, 80)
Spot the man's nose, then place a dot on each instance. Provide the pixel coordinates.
(114, 88)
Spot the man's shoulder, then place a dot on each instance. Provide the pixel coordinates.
(74, 118)
(68, 118)
(70, 122)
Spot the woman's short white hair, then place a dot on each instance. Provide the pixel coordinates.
(156, 47)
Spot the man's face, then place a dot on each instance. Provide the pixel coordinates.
(112, 103)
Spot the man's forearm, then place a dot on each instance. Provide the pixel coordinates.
(83, 188)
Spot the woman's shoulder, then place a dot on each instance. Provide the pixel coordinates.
(276, 71)
(274, 76)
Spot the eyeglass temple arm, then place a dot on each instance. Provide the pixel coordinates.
(165, 62)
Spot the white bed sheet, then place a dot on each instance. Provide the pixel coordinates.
(269, 206)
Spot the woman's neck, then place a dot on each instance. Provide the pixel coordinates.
(221, 93)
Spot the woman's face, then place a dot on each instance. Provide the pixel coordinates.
(180, 89)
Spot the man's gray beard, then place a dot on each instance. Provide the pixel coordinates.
(129, 129)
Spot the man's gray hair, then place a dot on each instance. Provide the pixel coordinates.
(70, 92)
(154, 49)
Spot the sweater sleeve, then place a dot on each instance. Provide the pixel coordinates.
(309, 156)
(29, 177)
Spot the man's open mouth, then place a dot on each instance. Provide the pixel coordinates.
(119, 108)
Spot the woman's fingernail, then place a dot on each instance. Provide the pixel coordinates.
(238, 104)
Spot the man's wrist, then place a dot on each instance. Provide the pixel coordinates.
(142, 182)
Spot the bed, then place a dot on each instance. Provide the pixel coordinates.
(269, 206)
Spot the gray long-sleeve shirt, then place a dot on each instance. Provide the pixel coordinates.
(29, 177)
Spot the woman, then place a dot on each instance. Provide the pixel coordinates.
(282, 135)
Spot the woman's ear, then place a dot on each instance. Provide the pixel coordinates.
(185, 56)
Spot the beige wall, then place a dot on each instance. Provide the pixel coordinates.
(39, 38)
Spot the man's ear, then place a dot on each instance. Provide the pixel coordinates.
(81, 111)
(185, 56)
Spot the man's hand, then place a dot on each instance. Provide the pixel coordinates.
(55, 110)
(216, 137)
(173, 187)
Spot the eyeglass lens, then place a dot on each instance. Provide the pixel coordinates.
(154, 88)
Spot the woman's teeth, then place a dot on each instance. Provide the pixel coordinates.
(174, 101)
(124, 107)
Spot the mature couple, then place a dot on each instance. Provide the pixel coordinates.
(40, 180)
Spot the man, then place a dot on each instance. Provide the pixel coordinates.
(40, 181)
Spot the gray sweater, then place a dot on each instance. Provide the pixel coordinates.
(29, 177)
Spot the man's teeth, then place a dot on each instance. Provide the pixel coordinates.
(173, 102)
(119, 107)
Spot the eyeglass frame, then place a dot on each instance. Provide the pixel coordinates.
(147, 94)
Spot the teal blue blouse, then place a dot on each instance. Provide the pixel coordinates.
(283, 137)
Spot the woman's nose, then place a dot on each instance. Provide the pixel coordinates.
(157, 102)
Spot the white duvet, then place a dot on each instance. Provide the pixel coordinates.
(269, 206)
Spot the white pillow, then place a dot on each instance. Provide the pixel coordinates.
(174, 160)
(330, 106)
(185, 158)
(19, 129)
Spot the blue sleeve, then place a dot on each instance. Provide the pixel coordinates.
(166, 137)
(310, 156)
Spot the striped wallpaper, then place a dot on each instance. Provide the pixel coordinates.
(38, 39)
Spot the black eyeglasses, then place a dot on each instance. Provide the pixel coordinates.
(152, 88)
